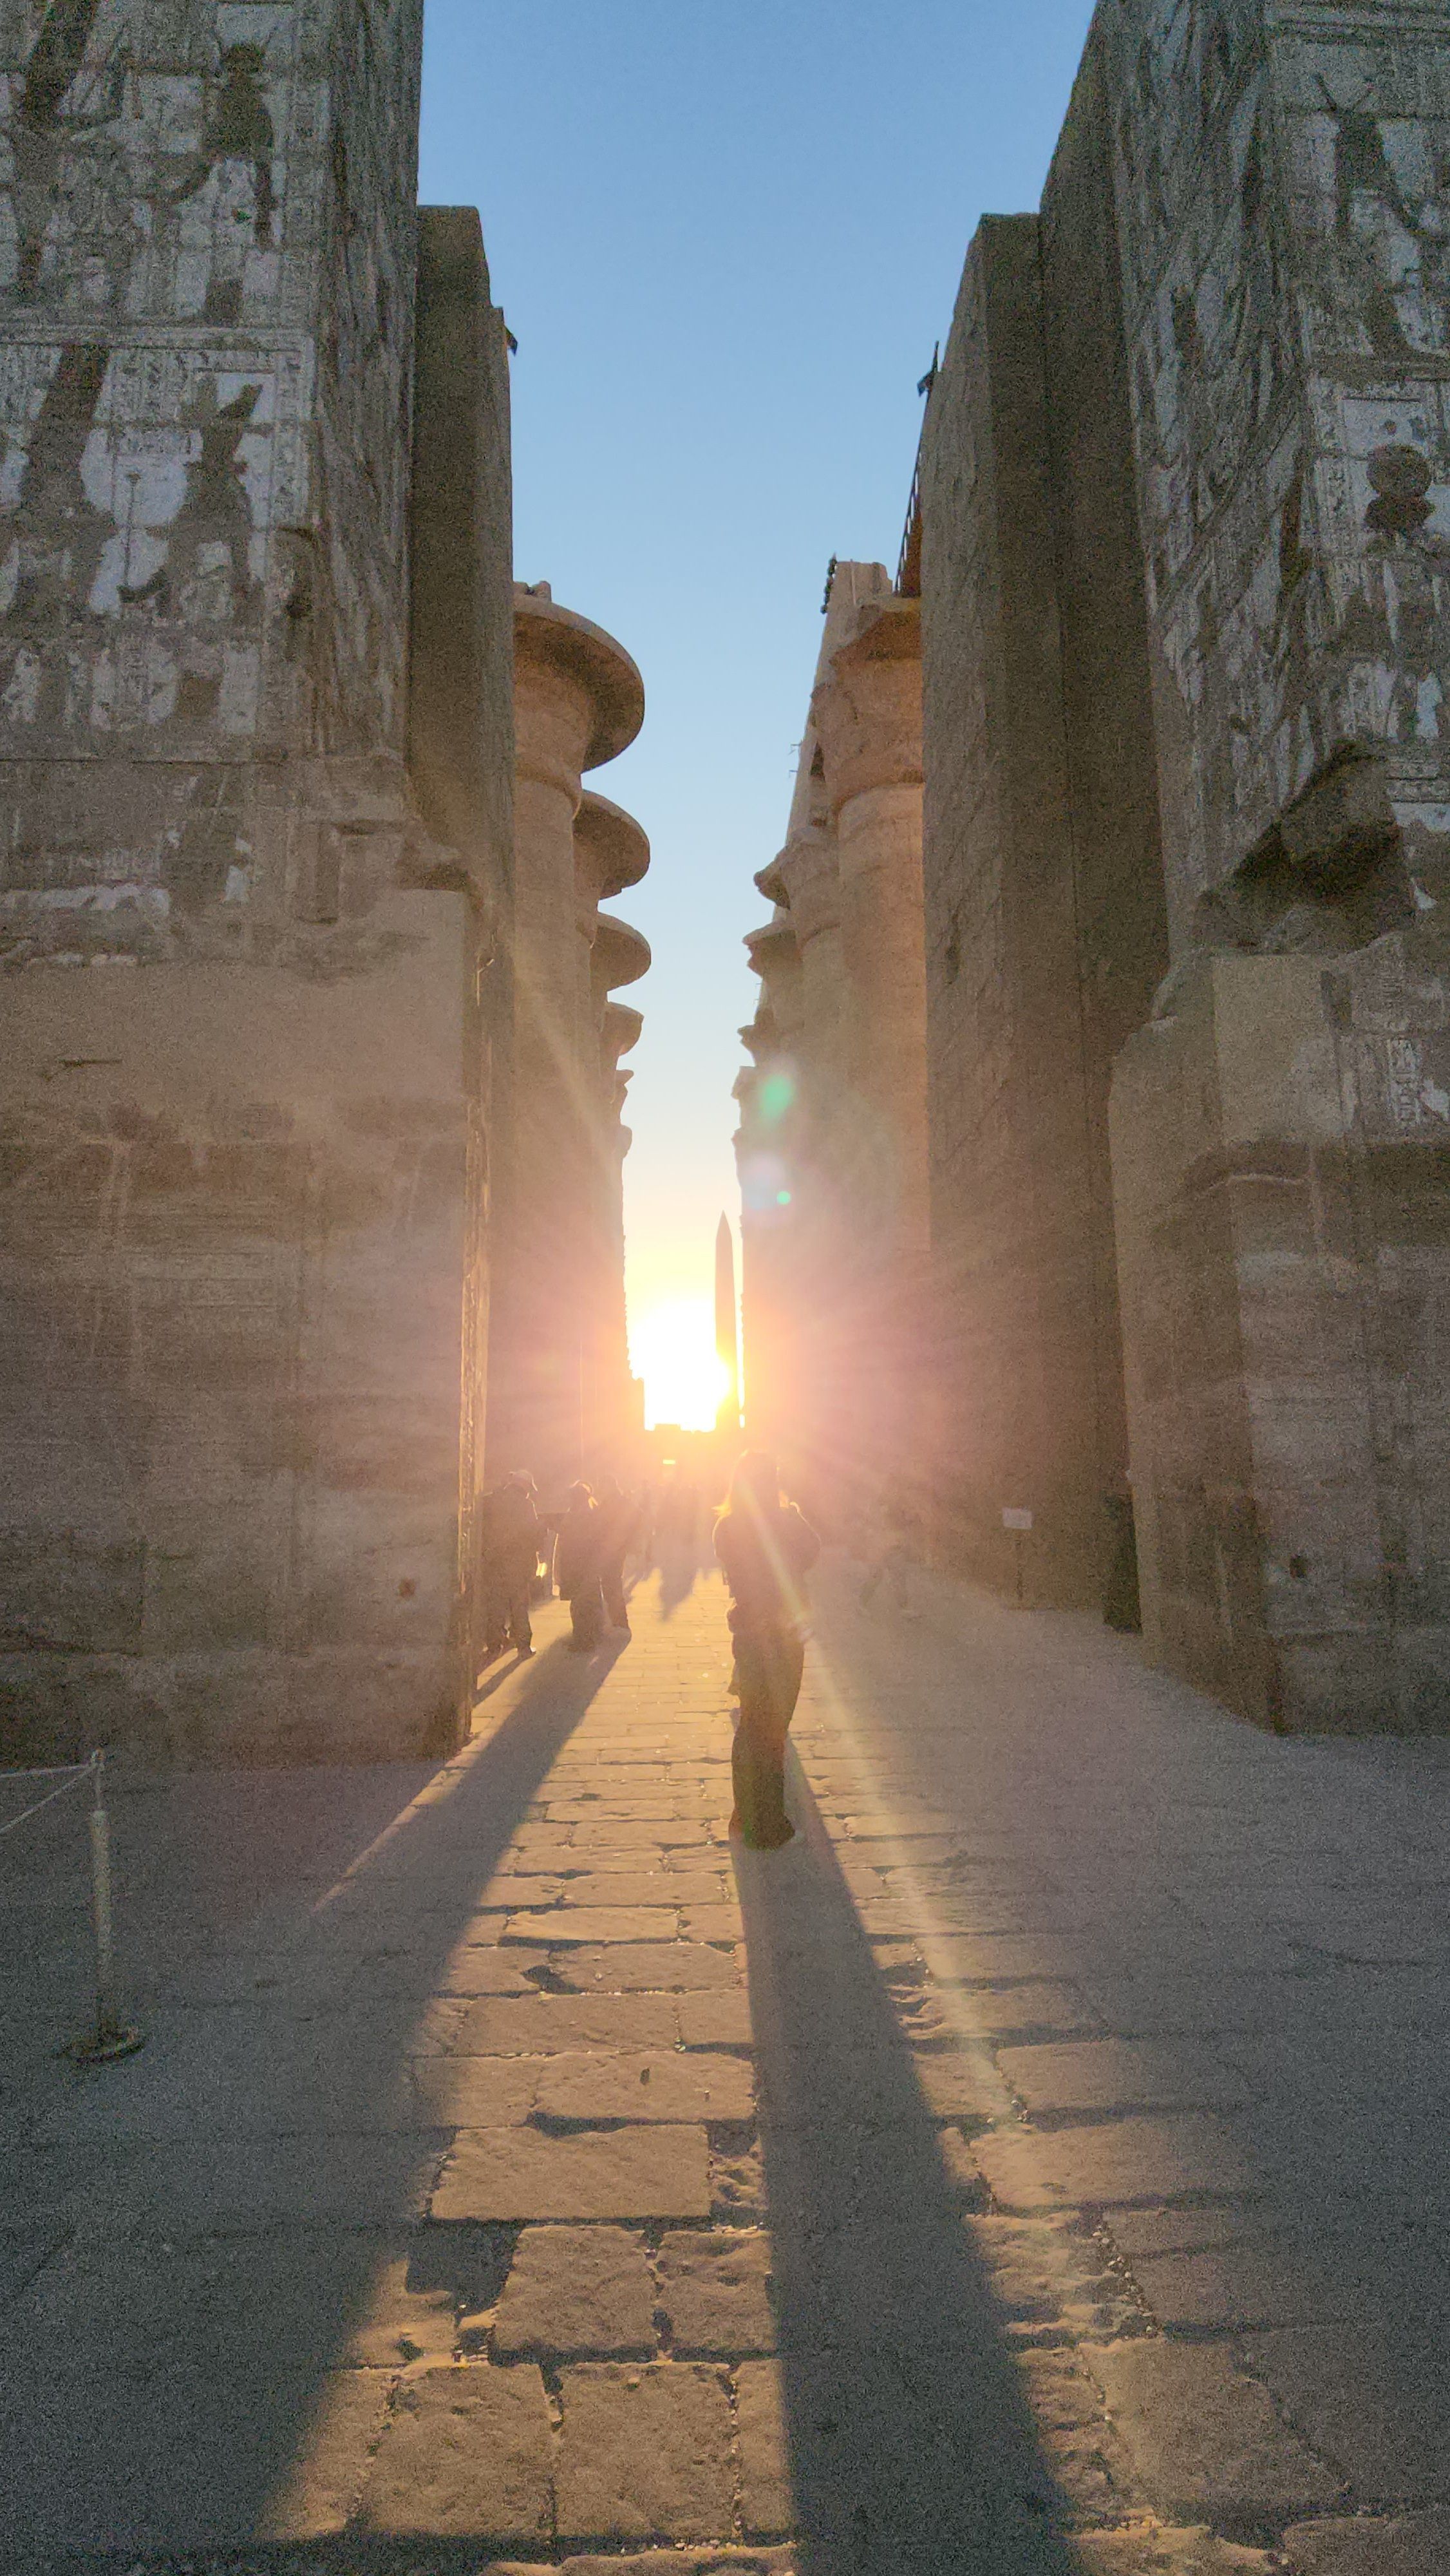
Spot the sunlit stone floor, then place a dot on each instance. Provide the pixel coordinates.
(1040, 2167)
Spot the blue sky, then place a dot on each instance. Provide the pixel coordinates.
(726, 234)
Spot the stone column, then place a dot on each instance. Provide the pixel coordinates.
(620, 956)
(578, 700)
(867, 714)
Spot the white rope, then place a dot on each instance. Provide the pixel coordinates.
(57, 1772)
(74, 1771)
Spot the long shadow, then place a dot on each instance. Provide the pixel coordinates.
(235, 2194)
(679, 1565)
(911, 2446)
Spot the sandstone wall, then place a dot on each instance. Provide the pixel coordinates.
(1013, 1245)
(243, 1072)
(1280, 185)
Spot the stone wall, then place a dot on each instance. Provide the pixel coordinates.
(1184, 615)
(245, 1058)
(1014, 1253)
(1285, 302)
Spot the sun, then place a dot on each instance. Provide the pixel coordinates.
(672, 1347)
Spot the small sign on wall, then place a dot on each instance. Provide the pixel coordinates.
(1017, 1520)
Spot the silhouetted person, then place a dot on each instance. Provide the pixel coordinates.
(765, 1548)
(509, 1543)
(576, 1569)
(619, 1524)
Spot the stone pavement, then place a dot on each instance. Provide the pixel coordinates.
(1038, 2170)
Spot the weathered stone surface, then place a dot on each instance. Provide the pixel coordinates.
(1385, 2428)
(680, 2085)
(1207, 2439)
(1117, 2161)
(716, 2020)
(766, 2503)
(666, 2562)
(714, 2290)
(1415, 2544)
(660, 1966)
(539, 2025)
(592, 1923)
(1106, 2075)
(465, 2455)
(645, 2453)
(636, 2173)
(1150, 2550)
(475, 2092)
(576, 2290)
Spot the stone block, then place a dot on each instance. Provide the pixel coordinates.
(536, 2025)
(1208, 2442)
(646, 2453)
(584, 1924)
(636, 2173)
(478, 1968)
(1109, 2075)
(714, 2290)
(1412, 2544)
(1237, 2286)
(575, 2291)
(664, 1967)
(720, 2020)
(664, 2562)
(680, 2085)
(318, 2492)
(465, 2455)
(1150, 2550)
(458, 2092)
(1021, 2012)
(766, 2506)
(1379, 2408)
(1111, 2164)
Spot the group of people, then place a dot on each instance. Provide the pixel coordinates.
(765, 1549)
(586, 1545)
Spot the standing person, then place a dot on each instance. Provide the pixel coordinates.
(619, 1521)
(510, 1550)
(765, 1548)
(576, 1568)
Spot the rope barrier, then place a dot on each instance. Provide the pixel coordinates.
(77, 1774)
(110, 2037)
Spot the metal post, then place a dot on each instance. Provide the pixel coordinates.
(110, 2038)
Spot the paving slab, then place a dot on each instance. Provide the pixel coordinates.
(537, 2025)
(767, 2505)
(1388, 2434)
(678, 2085)
(646, 2452)
(673, 1967)
(576, 2291)
(715, 2291)
(1114, 2162)
(1413, 2544)
(634, 2173)
(465, 2455)
(716, 2020)
(583, 1924)
(1207, 2440)
(1114, 2075)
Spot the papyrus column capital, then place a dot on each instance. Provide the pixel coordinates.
(867, 709)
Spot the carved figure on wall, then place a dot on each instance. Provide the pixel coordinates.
(42, 137)
(59, 537)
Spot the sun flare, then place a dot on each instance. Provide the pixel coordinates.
(672, 1347)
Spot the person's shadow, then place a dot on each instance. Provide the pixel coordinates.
(911, 2445)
